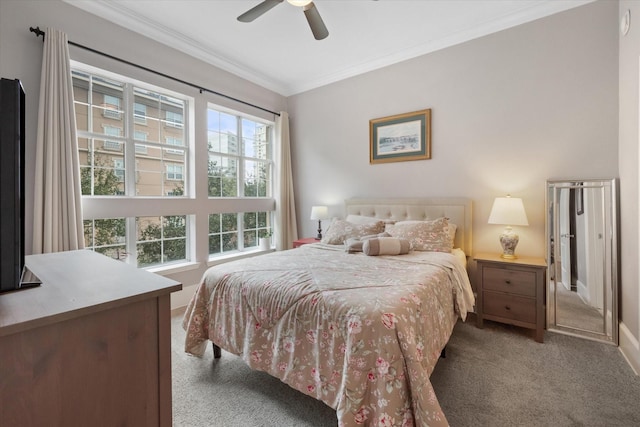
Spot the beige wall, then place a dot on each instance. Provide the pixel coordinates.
(629, 185)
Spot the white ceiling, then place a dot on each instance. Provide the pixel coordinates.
(278, 51)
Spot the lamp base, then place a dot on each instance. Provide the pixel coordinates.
(319, 236)
(509, 241)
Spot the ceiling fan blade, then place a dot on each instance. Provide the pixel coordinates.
(257, 11)
(318, 28)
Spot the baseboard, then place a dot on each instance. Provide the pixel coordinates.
(630, 348)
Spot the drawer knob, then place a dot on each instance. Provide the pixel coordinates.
(507, 307)
(508, 282)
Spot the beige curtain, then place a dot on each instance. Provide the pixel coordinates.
(286, 226)
(57, 217)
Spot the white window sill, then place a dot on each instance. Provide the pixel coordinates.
(237, 255)
(174, 268)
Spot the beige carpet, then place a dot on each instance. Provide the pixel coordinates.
(496, 376)
(573, 312)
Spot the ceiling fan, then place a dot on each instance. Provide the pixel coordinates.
(318, 28)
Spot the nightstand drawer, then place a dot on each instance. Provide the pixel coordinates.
(509, 306)
(511, 291)
(512, 281)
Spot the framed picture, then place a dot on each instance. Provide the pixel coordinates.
(400, 138)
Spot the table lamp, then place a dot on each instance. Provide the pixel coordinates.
(319, 213)
(508, 211)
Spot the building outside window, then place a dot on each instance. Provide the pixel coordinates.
(145, 153)
(123, 155)
(240, 166)
(174, 172)
(112, 107)
(118, 168)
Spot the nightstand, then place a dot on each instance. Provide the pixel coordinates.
(304, 241)
(511, 291)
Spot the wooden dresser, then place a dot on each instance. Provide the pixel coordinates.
(91, 346)
(511, 291)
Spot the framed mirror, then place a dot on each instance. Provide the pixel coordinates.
(582, 255)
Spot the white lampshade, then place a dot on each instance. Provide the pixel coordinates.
(508, 211)
(319, 212)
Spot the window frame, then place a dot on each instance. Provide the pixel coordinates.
(238, 204)
(196, 205)
(126, 140)
(131, 206)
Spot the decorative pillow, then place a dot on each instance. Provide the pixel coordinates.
(386, 246)
(452, 229)
(339, 231)
(354, 244)
(452, 232)
(425, 235)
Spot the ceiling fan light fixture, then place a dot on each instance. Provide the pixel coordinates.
(300, 3)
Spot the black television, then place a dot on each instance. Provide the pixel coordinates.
(13, 275)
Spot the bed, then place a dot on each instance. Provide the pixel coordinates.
(361, 333)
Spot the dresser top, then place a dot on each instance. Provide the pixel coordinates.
(76, 283)
(492, 257)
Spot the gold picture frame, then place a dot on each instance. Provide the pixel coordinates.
(400, 138)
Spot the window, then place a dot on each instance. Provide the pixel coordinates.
(106, 236)
(255, 225)
(118, 169)
(110, 144)
(240, 156)
(127, 158)
(140, 201)
(140, 113)
(112, 107)
(161, 239)
(173, 119)
(174, 172)
(239, 167)
(140, 136)
(223, 233)
(173, 141)
(145, 165)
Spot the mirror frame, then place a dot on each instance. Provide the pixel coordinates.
(610, 270)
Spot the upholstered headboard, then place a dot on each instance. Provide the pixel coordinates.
(457, 209)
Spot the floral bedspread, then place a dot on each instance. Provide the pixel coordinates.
(360, 333)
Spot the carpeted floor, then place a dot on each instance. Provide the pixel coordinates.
(496, 376)
(573, 312)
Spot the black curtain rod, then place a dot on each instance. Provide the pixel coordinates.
(38, 32)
